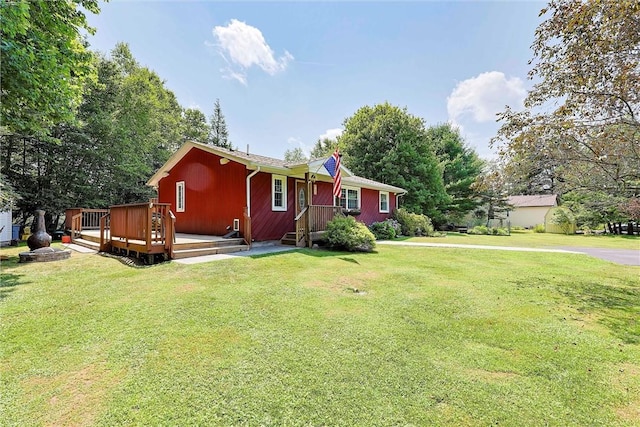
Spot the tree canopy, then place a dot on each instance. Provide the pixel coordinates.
(387, 144)
(44, 62)
(460, 165)
(580, 131)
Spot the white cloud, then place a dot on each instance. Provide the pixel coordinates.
(242, 47)
(332, 133)
(483, 96)
(306, 149)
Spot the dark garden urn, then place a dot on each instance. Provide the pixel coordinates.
(39, 239)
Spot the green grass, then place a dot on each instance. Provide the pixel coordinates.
(405, 336)
(537, 240)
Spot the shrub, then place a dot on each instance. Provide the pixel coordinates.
(538, 228)
(482, 230)
(347, 233)
(565, 219)
(384, 230)
(413, 224)
(479, 229)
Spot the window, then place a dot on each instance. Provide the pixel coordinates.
(278, 193)
(350, 198)
(180, 196)
(384, 202)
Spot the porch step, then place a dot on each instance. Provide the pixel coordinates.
(226, 249)
(90, 238)
(289, 239)
(205, 244)
(90, 244)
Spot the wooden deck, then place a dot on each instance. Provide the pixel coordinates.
(184, 246)
(144, 230)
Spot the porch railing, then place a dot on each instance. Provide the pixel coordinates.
(78, 219)
(151, 223)
(313, 219)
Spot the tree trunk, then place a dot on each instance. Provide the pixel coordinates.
(610, 227)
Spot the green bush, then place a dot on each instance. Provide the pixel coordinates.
(413, 224)
(384, 230)
(349, 234)
(538, 228)
(478, 229)
(565, 219)
(482, 230)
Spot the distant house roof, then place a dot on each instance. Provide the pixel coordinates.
(270, 165)
(532, 201)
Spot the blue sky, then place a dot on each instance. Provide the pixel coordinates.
(288, 72)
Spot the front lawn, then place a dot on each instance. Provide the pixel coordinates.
(405, 336)
(529, 239)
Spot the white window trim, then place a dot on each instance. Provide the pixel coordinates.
(380, 193)
(282, 178)
(346, 203)
(180, 202)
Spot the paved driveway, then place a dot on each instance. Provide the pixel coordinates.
(620, 256)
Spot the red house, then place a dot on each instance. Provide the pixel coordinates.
(213, 190)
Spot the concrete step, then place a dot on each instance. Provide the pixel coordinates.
(208, 244)
(189, 253)
(87, 244)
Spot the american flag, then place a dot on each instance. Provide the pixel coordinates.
(332, 165)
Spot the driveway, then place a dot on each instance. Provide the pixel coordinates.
(620, 256)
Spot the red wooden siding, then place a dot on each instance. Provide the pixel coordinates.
(324, 194)
(370, 206)
(369, 202)
(215, 194)
(267, 224)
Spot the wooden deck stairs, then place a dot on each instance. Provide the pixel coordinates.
(193, 249)
(289, 239)
(181, 250)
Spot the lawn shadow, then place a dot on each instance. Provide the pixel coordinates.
(618, 307)
(8, 283)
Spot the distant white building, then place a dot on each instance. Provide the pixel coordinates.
(5, 226)
(529, 211)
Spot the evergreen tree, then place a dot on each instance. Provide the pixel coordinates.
(218, 134)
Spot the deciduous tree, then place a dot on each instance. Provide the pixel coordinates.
(387, 144)
(194, 125)
(44, 62)
(582, 114)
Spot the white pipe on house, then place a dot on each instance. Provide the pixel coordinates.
(398, 198)
(251, 175)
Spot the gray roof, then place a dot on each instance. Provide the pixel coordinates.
(255, 160)
(531, 201)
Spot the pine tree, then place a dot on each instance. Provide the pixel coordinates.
(218, 135)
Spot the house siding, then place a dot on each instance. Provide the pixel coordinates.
(214, 194)
(369, 202)
(267, 224)
(370, 206)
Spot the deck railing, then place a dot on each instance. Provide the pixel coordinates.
(148, 223)
(78, 219)
(313, 219)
